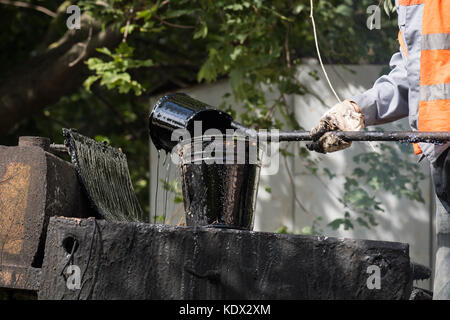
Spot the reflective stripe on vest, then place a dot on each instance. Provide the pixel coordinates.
(434, 105)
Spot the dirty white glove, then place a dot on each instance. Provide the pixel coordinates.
(345, 116)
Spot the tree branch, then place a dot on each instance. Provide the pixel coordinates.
(29, 6)
(84, 46)
(291, 180)
(173, 24)
(43, 80)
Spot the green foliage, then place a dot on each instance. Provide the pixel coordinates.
(113, 73)
(387, 171)
(173, 187)
(345, 222)
(389, 6)
(312, 230)
(282, 230)
(254, 43)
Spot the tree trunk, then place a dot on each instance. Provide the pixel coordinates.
(44, 79)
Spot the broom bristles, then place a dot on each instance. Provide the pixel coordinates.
(104, 175)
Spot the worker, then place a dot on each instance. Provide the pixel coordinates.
(417, 87)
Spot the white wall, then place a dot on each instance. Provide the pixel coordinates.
(402, 221)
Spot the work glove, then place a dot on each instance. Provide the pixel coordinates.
(344, 116)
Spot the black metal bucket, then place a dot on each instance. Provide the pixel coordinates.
(179, 111)
(220, 187)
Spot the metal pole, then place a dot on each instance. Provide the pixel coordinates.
(402, 136)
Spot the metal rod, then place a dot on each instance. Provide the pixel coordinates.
(402, 136)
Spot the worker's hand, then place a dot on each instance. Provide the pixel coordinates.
(345, 116)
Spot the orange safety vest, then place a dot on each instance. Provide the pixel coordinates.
(434, 104)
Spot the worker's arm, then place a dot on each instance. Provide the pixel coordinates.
(387, 100)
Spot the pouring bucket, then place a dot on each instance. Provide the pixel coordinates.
(220, 177)
(179, 111)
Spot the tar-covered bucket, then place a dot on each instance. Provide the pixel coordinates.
(220, 177)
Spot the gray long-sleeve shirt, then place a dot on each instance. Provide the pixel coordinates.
(396, 95)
